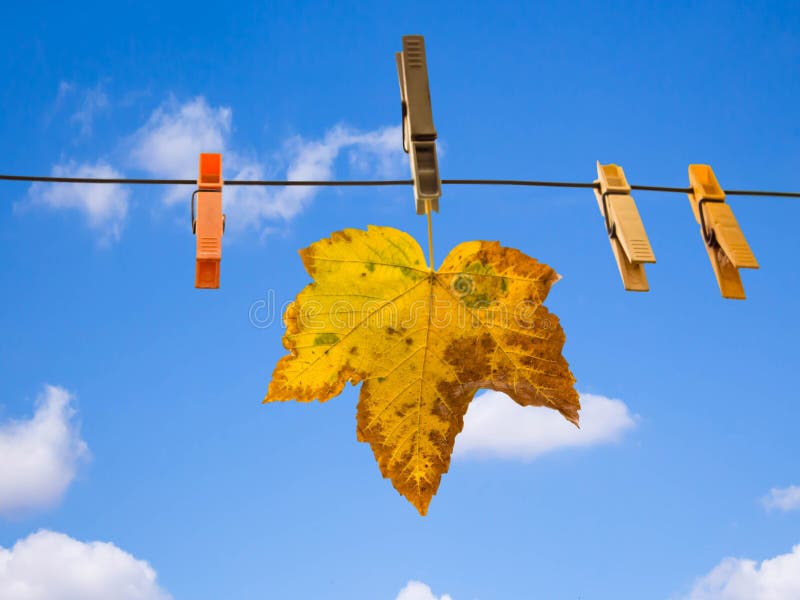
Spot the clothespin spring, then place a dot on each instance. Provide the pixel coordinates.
(611, 228)
(194, 220)
(404, 116)
(708, 236)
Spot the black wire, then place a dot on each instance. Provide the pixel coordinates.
(662, 188)
(255, 182)
(759, 193)
(319, 183)
(314, 183)
(523, 182)
(97, 180)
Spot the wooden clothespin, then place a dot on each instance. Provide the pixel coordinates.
(624, 227)
(725, 243)
(208, 223)
(419, 134)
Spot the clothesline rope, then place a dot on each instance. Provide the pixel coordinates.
(377, 182)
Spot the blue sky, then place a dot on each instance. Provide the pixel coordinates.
(154, 437)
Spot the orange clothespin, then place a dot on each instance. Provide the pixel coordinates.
(419, 134)
(208, 223)
(725, 243)
(624, 227)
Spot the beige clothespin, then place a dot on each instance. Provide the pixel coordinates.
(419, 134)
(725, 243)
(624, 226)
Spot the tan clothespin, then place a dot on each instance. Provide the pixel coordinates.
(624, 227)
(419, 134)
(725, 243)
(208, 224)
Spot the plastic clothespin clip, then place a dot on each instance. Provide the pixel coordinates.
(624, 227)
(208, 223)
(725, 243)
(419, 134)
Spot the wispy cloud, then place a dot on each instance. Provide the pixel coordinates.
(369, 153)
(169, 143)
(65, 89)
(784, 499)
(40, 456)
(776, 578)
(496, 426)
(55, 566)
(85, 105)
(104, 207)
(92, 102)
(416, 590)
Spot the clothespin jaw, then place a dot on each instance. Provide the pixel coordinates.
(624, 226)
(208, 223)
(419, 134)
(726, 245)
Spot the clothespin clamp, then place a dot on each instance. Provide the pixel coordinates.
(419, 134)
(208, 223)
(624, 227)
(725, 243)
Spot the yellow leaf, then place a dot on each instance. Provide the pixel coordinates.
(422, 343)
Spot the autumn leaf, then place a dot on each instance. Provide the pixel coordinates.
(422, 343)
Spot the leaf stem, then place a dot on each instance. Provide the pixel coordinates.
(430, 233)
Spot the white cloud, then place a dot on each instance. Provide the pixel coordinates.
(497, 426)
(776, 578)
(416, 590)
(375, 153)
(104, 206)
(168, 146)
(169, 143)
(784, 499)
(52, 566)
(39, 457)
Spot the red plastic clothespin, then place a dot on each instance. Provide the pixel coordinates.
(208, 222)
